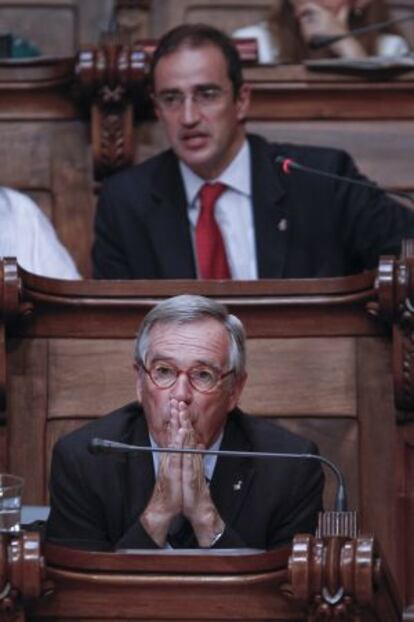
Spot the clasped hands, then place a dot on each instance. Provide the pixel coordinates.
(180, 486)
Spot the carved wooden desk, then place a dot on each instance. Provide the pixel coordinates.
(317, 579)
(320, 359)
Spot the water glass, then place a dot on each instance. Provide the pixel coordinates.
(11, 488)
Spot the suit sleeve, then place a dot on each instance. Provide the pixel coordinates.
(78, 517)
(108, 254)
(300, 514)
(370, 222)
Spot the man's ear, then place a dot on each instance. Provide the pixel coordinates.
(155, 106)
(138, 381)
(236, 391)
(243, 102)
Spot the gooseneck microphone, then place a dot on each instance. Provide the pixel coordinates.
(102, 446)
(320, 41)
(288, 165)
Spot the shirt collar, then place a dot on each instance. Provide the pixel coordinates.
(236, 176)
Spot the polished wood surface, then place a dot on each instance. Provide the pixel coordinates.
(320, 359)
(326, 579)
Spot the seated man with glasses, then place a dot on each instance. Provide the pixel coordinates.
(190, 365)
(216, 205)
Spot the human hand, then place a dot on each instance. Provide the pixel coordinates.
(198, 505)
(166, 500)
(315, 20)
(181, 486)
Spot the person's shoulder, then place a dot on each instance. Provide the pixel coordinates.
(310, 155)
(265, 435)
(114, 426)
(141, 173)
(17, 200)
(27, 214)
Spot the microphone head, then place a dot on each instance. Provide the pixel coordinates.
(286, 163)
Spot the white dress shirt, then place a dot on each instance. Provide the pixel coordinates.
(233, 212)
(26, 233)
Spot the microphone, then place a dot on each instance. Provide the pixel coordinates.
(320, 41)
(101, 446)
(288, 165)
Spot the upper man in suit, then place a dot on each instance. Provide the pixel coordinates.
(190, 364)
(216, 205)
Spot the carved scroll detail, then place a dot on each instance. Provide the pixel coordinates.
(395, 304)
(21, 573)
(107, 77)
(334, 577)
(9, 287)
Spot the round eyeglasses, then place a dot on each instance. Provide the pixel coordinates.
(202, 378)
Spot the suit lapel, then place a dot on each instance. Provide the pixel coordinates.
(232, 476)
(168, 223)
(270, 213)
(138, 473)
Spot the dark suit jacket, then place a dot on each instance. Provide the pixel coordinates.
(142, 229)
(96, 501)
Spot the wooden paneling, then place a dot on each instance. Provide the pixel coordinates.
(56, 27)
(101, 371)
(103, 376)
(33, 20)
(378, 433)
(28, 396)
(325, 384)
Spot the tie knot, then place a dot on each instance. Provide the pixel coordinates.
(209, 193)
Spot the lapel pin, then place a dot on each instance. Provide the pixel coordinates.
(237, 486)
(282, 225)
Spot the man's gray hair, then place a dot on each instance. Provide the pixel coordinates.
(190, 308)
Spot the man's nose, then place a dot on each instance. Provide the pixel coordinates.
(190, 111)
(182, 390)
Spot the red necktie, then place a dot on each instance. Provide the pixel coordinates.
(211, 253)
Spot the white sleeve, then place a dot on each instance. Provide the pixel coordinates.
(266, 46)
(392, 45)
(38, 248)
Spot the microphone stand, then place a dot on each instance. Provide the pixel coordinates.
(340, 519)
(320, 41)
(98, 445)
(288, 165)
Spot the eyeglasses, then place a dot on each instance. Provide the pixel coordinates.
(202, 378)
(203, 96)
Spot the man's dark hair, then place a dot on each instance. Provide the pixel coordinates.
(194, 36)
